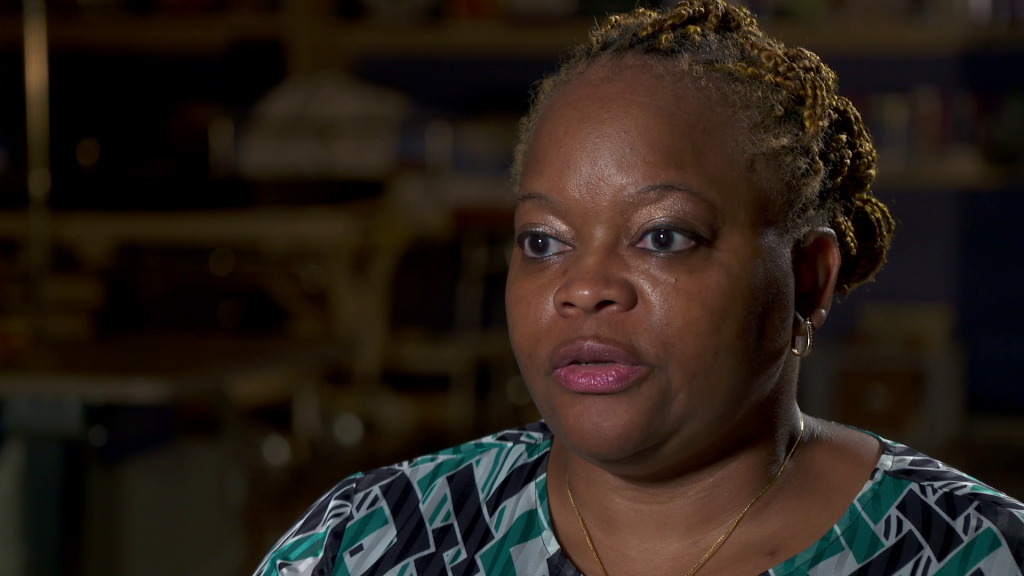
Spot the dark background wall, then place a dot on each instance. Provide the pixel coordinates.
(277, 246)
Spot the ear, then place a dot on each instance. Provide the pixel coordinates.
(816, 260)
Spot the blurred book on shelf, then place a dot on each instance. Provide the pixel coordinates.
(931, 138)
(1001, 14)
(324, 127)
(281, 232)
(900, 373)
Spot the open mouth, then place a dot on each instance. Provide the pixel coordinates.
(599, 377)
(593, 366)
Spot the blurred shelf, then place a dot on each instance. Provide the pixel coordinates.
(98, 233)
(416, 352)
(153, 34)
(988, 429)
(451, 38)
(945, 176)
(158, 368)
(907, 39)
(154, 369)
(495, 38)
(338, 41)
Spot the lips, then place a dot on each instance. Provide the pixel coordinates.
(591, 366)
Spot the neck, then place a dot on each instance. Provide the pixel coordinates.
(686, 506)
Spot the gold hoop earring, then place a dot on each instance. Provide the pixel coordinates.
(802, 343)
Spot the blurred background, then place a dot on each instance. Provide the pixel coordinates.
(249, 247)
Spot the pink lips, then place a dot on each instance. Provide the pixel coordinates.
(596, 367)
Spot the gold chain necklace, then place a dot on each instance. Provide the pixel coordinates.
(714, 547)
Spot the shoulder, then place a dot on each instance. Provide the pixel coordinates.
(399, 514)
(943, 516)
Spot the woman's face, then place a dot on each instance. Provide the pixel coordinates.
(650, 301)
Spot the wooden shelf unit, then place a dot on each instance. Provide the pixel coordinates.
(338, 41)
(155, 34)
(910, 39)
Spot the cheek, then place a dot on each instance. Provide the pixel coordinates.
(525, 309)
(685, 303)
(686, 319)
(734, 308)
(529, 311)
(772, 297)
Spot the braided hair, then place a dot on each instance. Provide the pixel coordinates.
(811, 141)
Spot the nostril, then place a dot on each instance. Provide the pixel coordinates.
(591, 293)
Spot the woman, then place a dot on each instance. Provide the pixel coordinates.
(691, 195)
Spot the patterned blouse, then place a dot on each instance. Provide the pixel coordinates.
(481, 509)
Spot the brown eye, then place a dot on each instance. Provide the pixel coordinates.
(665, 240)
(538, 245)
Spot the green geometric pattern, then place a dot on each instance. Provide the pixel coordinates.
(481, 509)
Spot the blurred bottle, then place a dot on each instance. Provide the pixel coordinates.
(324, 127)
(890, 113)
(1004, 136)
(963, 118)
(928, 126)
(980, 11)
(996, 13)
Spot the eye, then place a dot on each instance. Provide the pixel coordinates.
(539, 245)
(666, 240)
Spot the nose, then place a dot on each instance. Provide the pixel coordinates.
(595, 285)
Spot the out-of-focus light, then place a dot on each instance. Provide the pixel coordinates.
(312, 278)
(517, 392)
(87, 152)
(276, 449)
(222, 261)
(348, 429)
(229, 313)
(980, 11)
(98, 435)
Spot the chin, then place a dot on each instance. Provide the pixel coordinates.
(602, 429)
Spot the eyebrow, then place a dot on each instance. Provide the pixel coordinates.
(660, 189)
(532, 197)
(649, 190)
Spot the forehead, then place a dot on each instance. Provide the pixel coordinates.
(628, 123)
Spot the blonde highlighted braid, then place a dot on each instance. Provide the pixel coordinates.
(812, 140)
